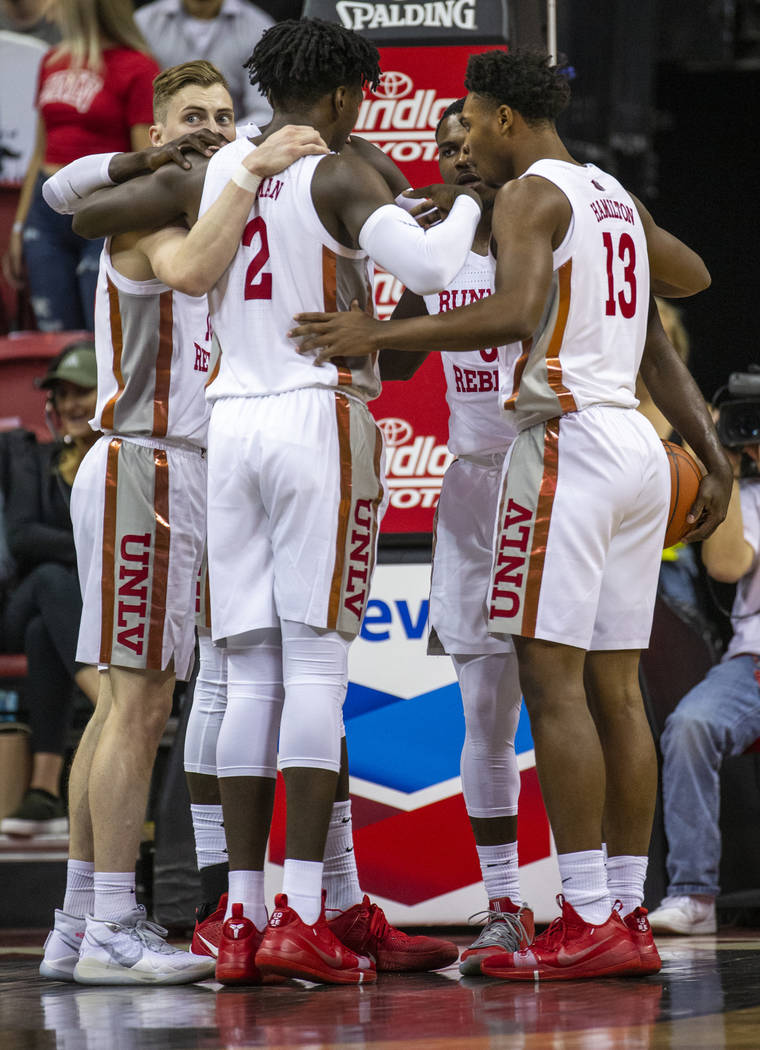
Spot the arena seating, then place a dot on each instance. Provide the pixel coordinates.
(24, 356)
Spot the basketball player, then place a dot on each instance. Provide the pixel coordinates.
(139, 518)
(486, 665)
(327, 477)
(584, 499)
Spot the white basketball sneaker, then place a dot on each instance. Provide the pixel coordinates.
(134, 951)
(684, 914)
(62, 947)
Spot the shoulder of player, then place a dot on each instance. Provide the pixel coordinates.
(534, 201)
(338, 173)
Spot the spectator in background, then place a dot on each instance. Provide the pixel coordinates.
(718, 718)
(31, 17)
(95, 95)
(223, 32)
(43, 611)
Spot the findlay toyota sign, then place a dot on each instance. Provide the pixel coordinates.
(455, 21)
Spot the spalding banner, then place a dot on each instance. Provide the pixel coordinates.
(398, 21)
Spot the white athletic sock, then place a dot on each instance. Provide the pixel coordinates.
(247, 888)
(114, 894)
(340, 877)
(501, 873)
(79, 898)
(584, 884)
(625, 881)
(302, 882)
(208, 829)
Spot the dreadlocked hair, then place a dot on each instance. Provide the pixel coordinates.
(521, 79)
(300, 60)
(451, 111)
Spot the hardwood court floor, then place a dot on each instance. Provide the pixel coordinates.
(707, 997)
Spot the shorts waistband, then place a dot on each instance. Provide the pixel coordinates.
(487, 460)
(176, 445)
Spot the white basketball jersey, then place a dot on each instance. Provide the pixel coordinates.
(588, 346)
(155, 357)
(476, 422)
(287, 263)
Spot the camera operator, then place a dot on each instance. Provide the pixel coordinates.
(719, 717)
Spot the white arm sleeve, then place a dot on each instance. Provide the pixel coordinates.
(77, 180)
(424, 260)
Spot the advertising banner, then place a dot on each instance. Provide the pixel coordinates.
(404, 727)
(406, 21)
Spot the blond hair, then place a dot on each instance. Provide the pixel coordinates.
(672, 322)
(170, 81)
(87, 25)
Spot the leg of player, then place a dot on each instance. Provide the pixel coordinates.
(590, 939)
(246, 761)
(204, 724)
(355, 920)
(65, 939)
(491, 698)
(617, 707)
(298, 942)
(119, 945)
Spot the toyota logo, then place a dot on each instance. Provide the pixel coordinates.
(395, 431)
(394, 85)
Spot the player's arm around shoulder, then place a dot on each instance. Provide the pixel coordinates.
(675, 269)
(193, 261)
(168, 195)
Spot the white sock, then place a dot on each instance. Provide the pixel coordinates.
(247, 888)
(501, 873)
(79, 898)
(208, 829)
(302, 882)
(114, 894)
(625, 881)
(340, 877)
(584, 884)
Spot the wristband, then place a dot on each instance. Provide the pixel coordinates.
(17, 227)
(243, 178)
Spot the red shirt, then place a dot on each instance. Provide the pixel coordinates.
(92, 112)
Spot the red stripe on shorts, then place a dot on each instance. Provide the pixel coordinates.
(160, 562)
(541, 527)
(343, 418)
(107, 585)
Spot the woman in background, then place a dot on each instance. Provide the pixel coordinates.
(43, 611)
(95, 95)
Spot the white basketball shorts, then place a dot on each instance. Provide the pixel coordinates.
(139, 514)
(462, 556)
(579, 531)
(296, 495)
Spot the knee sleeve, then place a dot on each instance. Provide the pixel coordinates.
(491, 697)
(315, 673)
(247, 745)
(207, 711)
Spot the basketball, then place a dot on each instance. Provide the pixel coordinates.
(685, 477)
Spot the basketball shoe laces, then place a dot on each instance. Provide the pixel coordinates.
(553, 935)
(501, 927)
(379, 927)
(150, 934)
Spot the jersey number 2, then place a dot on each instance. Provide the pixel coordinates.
(627, 254)
(258, 285)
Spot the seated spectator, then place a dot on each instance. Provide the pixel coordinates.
(223, 32)
(43, 611)
(95, 95)
(32, 17)
(720, 717)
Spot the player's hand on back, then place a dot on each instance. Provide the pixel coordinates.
(283, 148)
(350, 333)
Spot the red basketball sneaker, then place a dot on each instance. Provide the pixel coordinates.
(293, 948)
(570, 948)
(365, 930)
(641, 935)
(509, 927)
(238, 945)
(208, 929)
